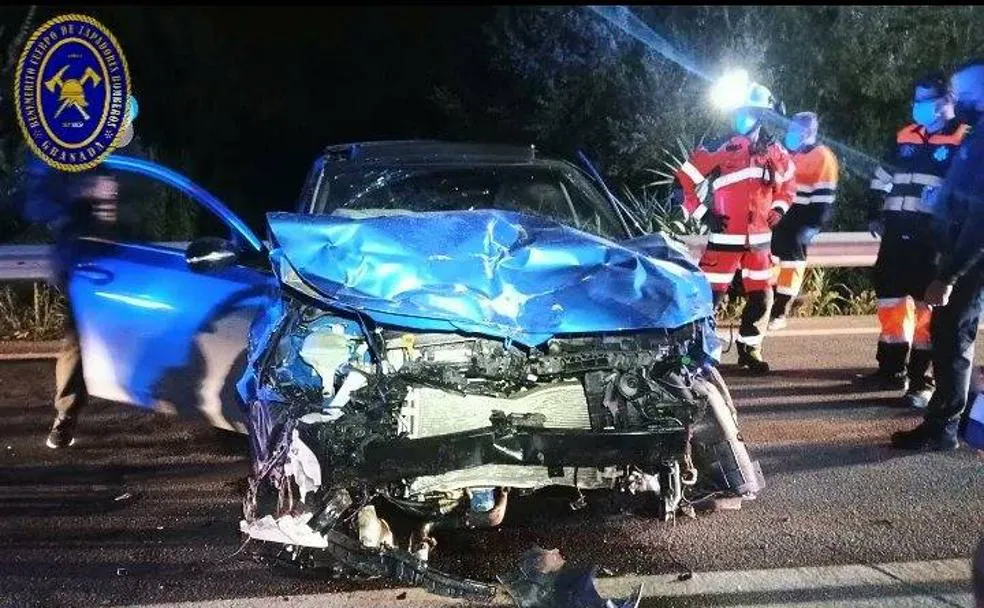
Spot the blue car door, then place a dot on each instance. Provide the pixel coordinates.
(158, 335)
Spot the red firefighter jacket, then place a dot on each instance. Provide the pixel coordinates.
(747, 181)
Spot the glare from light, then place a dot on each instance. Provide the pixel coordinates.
(730, 91)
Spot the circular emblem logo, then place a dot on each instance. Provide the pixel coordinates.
(941, 153)
(71, 89)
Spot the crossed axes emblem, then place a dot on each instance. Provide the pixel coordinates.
(71, 92)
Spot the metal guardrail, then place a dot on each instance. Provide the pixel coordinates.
(33, 262)
(829, 250)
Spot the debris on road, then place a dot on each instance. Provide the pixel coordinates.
(544, 579)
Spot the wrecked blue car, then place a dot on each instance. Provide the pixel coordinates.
(435, 328)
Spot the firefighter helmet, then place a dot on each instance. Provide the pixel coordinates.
(759, 97)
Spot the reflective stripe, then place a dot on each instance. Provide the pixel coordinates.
(738, 176)
(781, 205)
(719, 277)
(802, 200)
(793, 264)
(877, 184)
(893, 339)
(889, 302)
(825, 186)
(692, 172)
(751, 340)
(822, 198)
(739, 239)
(759, 239)
(882, 175)
(726, 239)
(756, 275)
(699, 212)
(906, 203)
(922, 179)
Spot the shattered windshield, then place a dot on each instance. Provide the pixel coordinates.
(549, 189)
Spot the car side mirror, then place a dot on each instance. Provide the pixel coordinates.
(209, 254)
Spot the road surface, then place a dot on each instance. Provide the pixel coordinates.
(143, 511)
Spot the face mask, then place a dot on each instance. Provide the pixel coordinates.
(744, 123)
(925, 114)
(793, 140)
(967, 112)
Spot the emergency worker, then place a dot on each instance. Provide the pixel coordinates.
(751, 178)
(957, 289)
(902, 204)
(816, 186)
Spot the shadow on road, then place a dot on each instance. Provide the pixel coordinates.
(785, 459)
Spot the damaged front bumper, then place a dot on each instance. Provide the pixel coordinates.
(443, 426)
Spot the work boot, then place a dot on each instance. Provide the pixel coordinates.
(918, 399)
(750, 357)
(882, 381)
(921, 384)
(925, 438)
(891, 374)
(62, 433)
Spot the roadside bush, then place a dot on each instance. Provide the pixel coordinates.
(31, 311)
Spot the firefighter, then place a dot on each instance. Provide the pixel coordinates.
(751, 177)
(900, 212)
(816, 186)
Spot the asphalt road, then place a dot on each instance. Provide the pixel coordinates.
(145, 508)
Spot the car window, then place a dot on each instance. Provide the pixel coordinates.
(550, 191)
(151, 211)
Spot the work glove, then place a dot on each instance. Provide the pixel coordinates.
(876, 228)
(716, 222)
(775, 216)
(938, 293)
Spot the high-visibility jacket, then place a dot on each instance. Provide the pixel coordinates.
(816, 185)
(903, 195)
(748, 180)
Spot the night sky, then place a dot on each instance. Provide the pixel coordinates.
(244, 98)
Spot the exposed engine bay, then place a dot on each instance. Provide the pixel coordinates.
(351, 417)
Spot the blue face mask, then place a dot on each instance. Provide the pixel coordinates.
(744, 122)
(925, 114)
(793, 140)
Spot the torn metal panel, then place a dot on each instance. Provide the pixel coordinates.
(497, 273)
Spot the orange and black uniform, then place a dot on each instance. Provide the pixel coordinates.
(816, 177)
(749, 180)
(904, 198)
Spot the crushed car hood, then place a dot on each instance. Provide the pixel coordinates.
(497, 273)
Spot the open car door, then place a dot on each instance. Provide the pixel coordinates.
(156, 332)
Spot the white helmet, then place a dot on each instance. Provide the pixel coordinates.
(759, 97)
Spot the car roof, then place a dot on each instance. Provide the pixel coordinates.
(428, 152)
